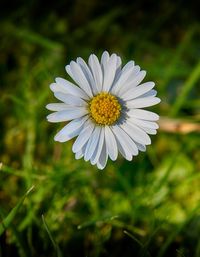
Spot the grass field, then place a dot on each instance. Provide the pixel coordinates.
(54, 205)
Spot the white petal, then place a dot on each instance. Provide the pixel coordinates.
(88, 74)
(125, 141)
(123, 76)
(57, 107)
(119, 63)
(133, 82)
(118, 71)
(64, 86)
(80, 154)
(70, 99)
(128, 66)
(135, 72)
(137, 134)
(126, 155)
(129, 82)
(57, 87)
(143, 114)
(71, 130)
(143, 102)
(96, 71)
(148, 126)
(103, 158)
(145, 124)
(95, 157)
(150, 93)
(92, 143)
(78, 76)
(83, 136)
(69, 114)
(109, 70)
(105, 58)
(149, 130)
(137, 91)
(141, 147)
(68, 69)
(111, 144)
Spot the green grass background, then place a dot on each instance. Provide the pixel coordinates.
(147, 207)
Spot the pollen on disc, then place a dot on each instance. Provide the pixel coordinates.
(105, 109)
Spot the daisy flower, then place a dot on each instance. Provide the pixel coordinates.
(103, 108)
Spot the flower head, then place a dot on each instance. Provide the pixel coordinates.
(103, 108)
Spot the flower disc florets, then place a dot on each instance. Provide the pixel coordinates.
(105, 108)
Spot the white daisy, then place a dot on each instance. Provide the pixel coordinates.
(104, 107)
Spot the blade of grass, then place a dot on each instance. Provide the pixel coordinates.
(123, 225)
(134, 238)
(189, 84)
(94, 221)
(151, 238)
(138, 242)
(23, 250)
(55, 245)
(31, 37)
(172, 67)
(9, 218)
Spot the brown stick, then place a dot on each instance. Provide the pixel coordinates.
(178, 126)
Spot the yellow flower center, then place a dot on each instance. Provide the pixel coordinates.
(105, 108)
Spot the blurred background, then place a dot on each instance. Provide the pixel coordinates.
(147, 207)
